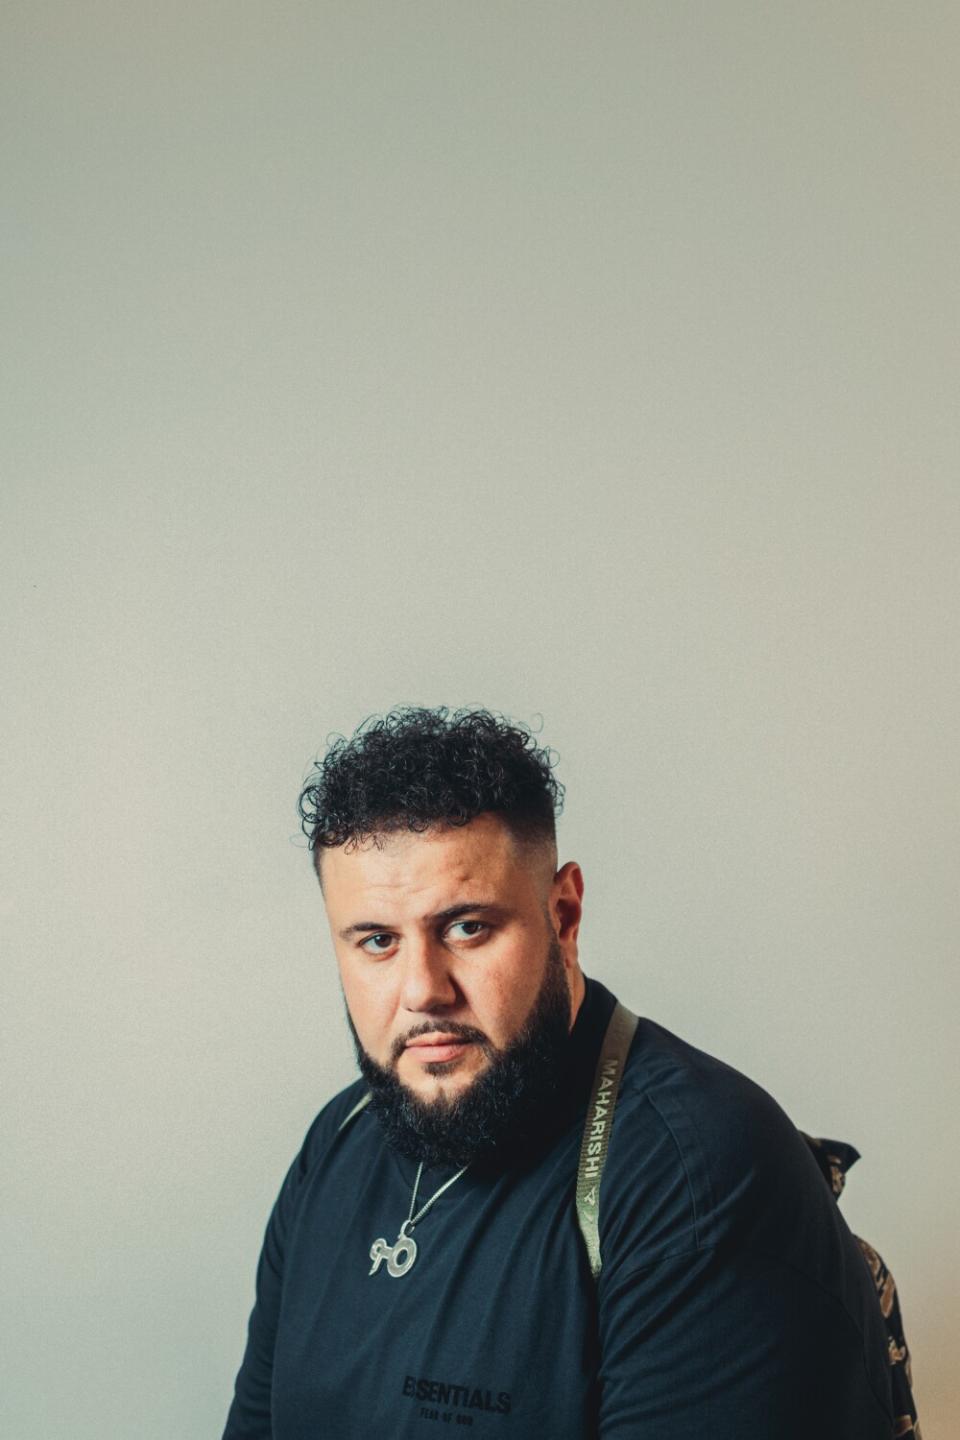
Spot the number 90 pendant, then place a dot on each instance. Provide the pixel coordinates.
(399, 1256)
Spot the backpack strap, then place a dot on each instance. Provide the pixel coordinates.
(599, 1124)
(352, 1115)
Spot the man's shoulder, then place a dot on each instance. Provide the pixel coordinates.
(699, 1149)
(692, 1089)
(327, 1124)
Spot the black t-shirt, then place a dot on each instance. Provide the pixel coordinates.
(733, 1301)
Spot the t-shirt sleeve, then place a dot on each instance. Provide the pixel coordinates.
(732, 1300)
(710, 1343)
(249, 1417)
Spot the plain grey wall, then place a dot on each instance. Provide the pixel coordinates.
(592, 361)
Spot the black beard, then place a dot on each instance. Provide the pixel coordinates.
(501, 1113)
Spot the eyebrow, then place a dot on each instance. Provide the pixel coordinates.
(452, 912)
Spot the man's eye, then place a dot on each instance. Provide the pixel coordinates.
(471, 928)
(377, 944)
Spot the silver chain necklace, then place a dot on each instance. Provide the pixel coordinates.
(402, 1253)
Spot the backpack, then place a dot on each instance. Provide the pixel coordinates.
(834, 1158)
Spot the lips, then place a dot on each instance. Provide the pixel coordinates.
(437, 1047)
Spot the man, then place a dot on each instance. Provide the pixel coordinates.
(423, 1265)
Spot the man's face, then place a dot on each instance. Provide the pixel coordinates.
(443, 940)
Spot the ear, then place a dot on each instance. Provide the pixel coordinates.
(566, 907)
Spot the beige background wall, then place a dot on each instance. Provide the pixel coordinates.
(592, 361)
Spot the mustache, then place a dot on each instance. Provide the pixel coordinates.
(433, 1027)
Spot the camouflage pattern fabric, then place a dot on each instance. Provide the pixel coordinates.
(834, 1158)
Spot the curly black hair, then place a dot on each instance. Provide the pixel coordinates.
(415, 767)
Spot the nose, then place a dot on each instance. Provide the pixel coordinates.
(427, 984)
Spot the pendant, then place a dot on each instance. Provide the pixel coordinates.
(399, 1256)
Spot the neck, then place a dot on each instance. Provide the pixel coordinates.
(578, 989)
